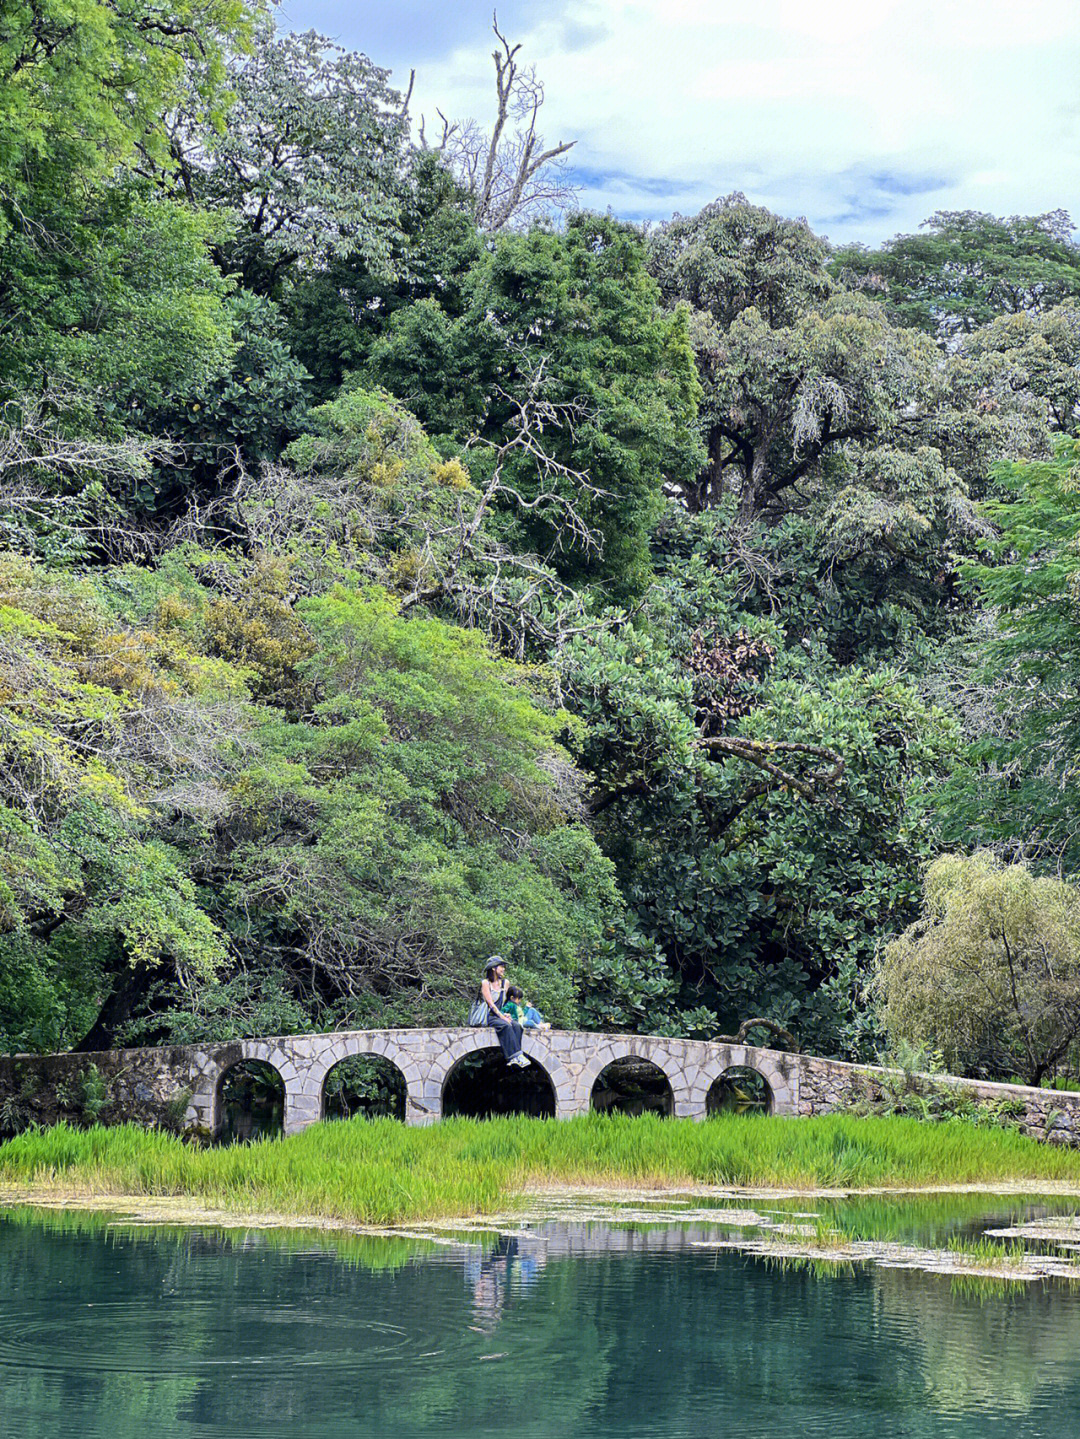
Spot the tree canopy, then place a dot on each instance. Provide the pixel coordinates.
(966, 268)
(398, 565)
(991, 973)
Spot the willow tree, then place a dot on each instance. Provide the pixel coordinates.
(990, 974)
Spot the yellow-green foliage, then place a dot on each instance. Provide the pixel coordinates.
(453, 474)
(200, 750)
(92, 718)
(367, 487)
(259, 632)
(991, 973)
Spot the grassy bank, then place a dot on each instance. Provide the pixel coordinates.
(383, 1173)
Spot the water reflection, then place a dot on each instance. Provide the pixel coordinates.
(573, 1329)
(511, 1263)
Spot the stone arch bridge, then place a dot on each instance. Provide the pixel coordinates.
(571, 1061)
(182, 1084)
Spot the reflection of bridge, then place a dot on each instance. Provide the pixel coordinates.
(149, 1085)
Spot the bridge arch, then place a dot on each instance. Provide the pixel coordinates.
(739, 1088)
(572, 1061)
(635, 1047)
(209, 1091)
(369, 1084)
(382, 1046)
(481, 1038)
(741, 1056)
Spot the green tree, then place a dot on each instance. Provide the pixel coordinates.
(337, 312)
(1021, 689)
(967, 268)
(314, 159)
(1021, 373)
(92, 721)
(766, 815)
(365, 490)
(991, 974)
(813, 400)
(85, 82)
(243, 416)
(110, 304)
(843, 450)
(224, 801)
(570, 322)
(129, 309)
(796, 375)
(408, 810)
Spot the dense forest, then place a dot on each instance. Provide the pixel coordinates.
(400, 564)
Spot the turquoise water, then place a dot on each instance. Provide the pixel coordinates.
(573, 1330)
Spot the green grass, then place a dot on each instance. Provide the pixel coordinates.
(987, 1251)
(384, 1173)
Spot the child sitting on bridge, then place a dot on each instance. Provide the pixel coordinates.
(516, 1008)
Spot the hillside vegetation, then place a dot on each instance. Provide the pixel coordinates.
(393, 572)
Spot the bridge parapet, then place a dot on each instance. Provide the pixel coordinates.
(181, 1085)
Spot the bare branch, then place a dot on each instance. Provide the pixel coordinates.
(454, 557)
(747, 1025)
(760, 752)
(509, 174)
(55, 476)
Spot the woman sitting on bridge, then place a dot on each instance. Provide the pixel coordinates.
(487, 1009)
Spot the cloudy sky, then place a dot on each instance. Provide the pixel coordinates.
(863, 115)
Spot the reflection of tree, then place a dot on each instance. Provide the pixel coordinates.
(982, 1352)
(285, 1332)
(47, 1273)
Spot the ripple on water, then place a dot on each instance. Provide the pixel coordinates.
(209, 1340)
(134, 1337)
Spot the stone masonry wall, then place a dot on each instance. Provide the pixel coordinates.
(827, 1085)
(150, 1086)
(147, 1086)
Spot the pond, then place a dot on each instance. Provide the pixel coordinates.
(574, 1326)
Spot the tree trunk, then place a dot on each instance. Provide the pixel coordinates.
(755, 484)
(129, 989)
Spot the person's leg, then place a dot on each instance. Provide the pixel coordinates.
(533, 1018)
(512, 1047)
(509, 1034)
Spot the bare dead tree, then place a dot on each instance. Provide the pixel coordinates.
(510, 175)
(467, 565)
(54, 476)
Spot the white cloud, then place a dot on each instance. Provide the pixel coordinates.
(864, 115)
